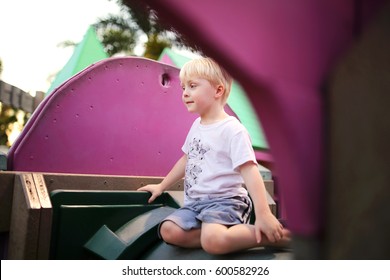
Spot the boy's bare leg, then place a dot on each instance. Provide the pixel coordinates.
(173, 234)
(220, 239)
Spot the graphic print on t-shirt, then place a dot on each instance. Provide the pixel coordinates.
(196, 153)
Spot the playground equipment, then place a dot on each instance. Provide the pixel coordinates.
(333, 178)
(69, 192)
(115, 105)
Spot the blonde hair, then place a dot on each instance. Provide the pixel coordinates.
(206, 68)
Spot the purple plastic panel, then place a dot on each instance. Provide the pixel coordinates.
(281, 52)
(121, 116)
(31, 121)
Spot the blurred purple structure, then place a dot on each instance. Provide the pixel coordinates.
(283, 54)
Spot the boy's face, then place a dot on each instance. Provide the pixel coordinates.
(199, 95)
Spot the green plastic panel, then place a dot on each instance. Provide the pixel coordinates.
(78, 215)
(87, 52)
(132, 239)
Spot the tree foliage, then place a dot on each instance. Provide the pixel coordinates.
(8, 119)
(118, 34)
(121, 33)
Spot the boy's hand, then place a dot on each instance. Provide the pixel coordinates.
(154, 189)
(270, 226)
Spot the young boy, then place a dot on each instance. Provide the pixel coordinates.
(218, 159)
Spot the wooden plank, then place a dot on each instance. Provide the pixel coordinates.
(100, 182)
(27, 103)
(25, 219)
(107, 182)
(3, 161)
(45, 217)
(39, 96)
(15, 97)
(272, 204)
(5, 93)
(269, 186)
(6, 197)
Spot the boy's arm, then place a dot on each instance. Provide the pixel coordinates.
(176, 173)
(266, 222)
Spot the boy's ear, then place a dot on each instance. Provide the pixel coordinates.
(219, 91)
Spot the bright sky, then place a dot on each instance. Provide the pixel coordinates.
(31, 31)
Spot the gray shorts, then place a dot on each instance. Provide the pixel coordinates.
(224, 211)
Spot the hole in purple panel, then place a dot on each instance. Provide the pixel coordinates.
(165, 80)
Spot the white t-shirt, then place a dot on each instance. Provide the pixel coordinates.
(214, 153)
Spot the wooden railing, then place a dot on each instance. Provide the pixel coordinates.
(18, 99)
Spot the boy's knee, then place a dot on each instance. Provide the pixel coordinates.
(171, 233)
(215, 244)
